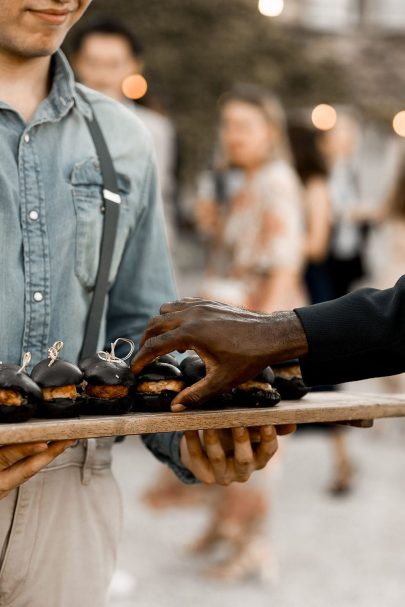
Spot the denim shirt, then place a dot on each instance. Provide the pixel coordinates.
(51, 225)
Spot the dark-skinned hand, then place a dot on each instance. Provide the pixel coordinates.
(235, 344)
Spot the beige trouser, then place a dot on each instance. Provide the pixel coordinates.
(59, 532)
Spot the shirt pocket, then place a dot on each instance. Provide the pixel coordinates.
(87, 185)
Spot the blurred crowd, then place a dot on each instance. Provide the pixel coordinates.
(283, 215)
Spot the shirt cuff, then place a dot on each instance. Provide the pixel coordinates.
(316, 364)
(165, 446)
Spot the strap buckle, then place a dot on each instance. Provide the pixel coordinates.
(111, 196)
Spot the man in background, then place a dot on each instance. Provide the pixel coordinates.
(104, 53)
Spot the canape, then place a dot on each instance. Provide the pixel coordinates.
(257, 392)
(19, 394)
(107, 382)
(288, 380)
(60, 383)
(156, 387)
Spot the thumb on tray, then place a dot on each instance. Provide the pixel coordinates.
(197, 394)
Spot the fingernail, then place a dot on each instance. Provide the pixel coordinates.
(178, 408)
(239, 432)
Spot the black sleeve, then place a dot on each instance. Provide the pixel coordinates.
(355, 337)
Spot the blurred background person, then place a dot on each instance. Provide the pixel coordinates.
(313, 171)
(106, 55)
(253, 226)
(387, 243)
(215, 188)
(340, 147)
(386, 255)
(256, 241)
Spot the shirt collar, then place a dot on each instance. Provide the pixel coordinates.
(63, 94)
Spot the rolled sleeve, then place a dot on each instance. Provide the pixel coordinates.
(166, 448)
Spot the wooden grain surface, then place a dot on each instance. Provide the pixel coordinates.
(317, 407)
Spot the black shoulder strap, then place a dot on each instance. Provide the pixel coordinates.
(112, 202)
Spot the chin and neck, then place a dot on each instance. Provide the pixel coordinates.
(24, 79)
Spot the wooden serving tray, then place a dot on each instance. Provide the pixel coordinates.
(317, 407)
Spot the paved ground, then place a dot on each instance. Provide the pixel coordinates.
(331, 552)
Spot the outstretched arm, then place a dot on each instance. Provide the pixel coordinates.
(355, 337)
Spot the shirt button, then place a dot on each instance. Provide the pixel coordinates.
(27, 138)
(38, 296)
(34, 215)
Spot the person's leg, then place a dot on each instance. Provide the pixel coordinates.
(239, 521)
(167, 491)
(62, 545)
(343, 466)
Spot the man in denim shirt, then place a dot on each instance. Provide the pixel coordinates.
(59, 531)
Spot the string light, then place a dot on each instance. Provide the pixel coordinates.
(135, 86)
(398, 123)
(271, 8)
(324, 117)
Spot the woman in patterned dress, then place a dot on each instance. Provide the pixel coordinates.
(256, 257)
(257, 238)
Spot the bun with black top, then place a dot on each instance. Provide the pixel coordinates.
(156, 386)
(167, 358)
(60, 382)
(193, 369)
(107, 382)
(19, 394)
(288, 380)
(258, 392)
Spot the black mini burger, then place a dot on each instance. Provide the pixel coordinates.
(288, 380)
(257, 392)
(169, 359)
(107, 381)
(60, 382)
(193, 369)
(19, 394)
(157, 385)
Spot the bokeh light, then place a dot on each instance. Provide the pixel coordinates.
(271, 8)
(398, 123)
(135, 87)
(324, 117)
